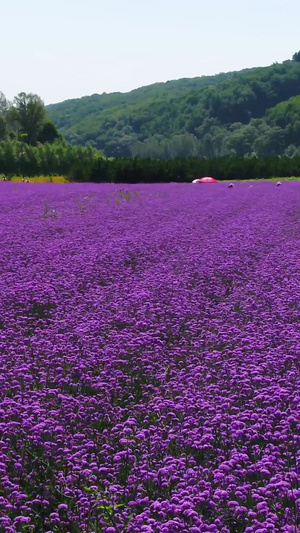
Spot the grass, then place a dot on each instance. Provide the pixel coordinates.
(41, 179)
(63, 179)
(254, 180)
(292, 178)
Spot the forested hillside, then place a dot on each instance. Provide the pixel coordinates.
(251, 112)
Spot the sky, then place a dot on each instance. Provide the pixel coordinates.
(61, 49)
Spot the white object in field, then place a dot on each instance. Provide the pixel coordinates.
(230, 185)
(278, 183)
(195, 181)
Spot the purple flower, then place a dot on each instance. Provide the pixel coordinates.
(149, 373)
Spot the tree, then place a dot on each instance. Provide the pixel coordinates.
(31, 115)
(4, 105)
(4, 108)
(2, 129)
(12, 120)
(48, 133)
(296, 57)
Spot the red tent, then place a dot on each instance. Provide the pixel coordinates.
(207, 180)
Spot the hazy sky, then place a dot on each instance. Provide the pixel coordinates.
(63, 49)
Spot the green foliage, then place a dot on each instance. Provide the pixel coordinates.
(4, 107)
(59, 158)
(48, 133)
(206, 117)
(296, 56)
(30, 114)
(84, 163)
(26, 120)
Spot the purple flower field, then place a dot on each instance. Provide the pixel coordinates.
(150, 358)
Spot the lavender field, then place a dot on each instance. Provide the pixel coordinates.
(150, 358)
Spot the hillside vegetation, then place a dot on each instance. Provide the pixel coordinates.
(251, 112)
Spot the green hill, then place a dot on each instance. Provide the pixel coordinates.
(254, 111)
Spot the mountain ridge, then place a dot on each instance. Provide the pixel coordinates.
(204, 116)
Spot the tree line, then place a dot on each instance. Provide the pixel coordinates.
(84, 163)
